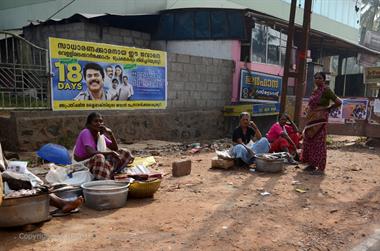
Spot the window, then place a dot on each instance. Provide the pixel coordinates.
(268, 45)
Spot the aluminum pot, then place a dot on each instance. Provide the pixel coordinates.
(25, 210)
(269, 165)
(105, 194)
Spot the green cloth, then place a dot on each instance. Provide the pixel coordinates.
(327, 95)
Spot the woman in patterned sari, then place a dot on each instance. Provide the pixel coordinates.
(314, 150)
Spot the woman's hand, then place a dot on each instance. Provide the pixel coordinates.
(104, 129)
(252, 124)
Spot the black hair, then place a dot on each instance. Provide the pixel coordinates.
(92, 116)
(109, 66)
(115, 79)
(125, 76)
(282, 114)
(322, 74)
(93, 66)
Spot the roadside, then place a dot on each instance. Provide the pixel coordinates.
(224, 210)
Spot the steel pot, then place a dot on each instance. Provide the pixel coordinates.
(105, 194)
(269, 165)
(24, 210)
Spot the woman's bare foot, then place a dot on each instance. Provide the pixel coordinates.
(71, 205)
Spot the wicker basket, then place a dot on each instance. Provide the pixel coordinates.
(143, 189)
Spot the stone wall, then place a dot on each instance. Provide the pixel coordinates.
(86, 32)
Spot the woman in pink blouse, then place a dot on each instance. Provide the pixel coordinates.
(103, 163)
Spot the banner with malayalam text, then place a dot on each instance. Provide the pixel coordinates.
(96, 76)
(259, 87)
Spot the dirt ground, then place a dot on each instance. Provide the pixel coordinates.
(223, 210)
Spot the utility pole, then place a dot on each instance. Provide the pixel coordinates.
(301, 81)
(289, 47)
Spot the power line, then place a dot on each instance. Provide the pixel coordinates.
(61, 9)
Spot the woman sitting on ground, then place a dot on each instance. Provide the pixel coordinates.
(241, 137)
(103, 164)
(284, 137)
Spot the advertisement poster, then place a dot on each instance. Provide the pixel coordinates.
(335, 116)
(355, 109)
(374, 112)
(259, 87)
(95, 76)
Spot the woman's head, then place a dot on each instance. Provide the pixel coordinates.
(282, 118)
(94, 121)
(118, 71)
(244, 119)
(319, 78)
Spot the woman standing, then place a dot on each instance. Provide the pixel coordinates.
(103, 163)
(314, 144)
(119, 74)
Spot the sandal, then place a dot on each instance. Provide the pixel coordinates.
(59, 213)
(309, 169)
(317, 172)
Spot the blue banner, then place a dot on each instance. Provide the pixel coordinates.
(265, 109)
(259, 87)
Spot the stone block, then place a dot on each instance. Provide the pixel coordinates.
(183, 58)
(145, 36)
(221, 163)
(181, 168)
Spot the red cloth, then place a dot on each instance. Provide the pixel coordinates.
(276, 130)
(281, 143)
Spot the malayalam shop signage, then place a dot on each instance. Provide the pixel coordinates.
(92, 76)
(259, 87)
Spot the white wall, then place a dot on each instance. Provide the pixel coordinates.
(205, 48)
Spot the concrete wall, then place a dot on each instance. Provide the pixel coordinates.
(198, 88)
(206, 48)
(86, 32)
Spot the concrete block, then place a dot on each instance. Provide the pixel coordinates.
(145, 36)
(177, 85)
(195, 60)
(136, 34)
(181, 168)
(189, 68)
(183, 58)
(211, 69)
(176, 67)
(221, 163)
(212, 87)
(172, 57)
(216, 61)
(196, 77)
(206, 61)
(200, 69)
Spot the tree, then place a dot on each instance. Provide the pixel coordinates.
(370, 17)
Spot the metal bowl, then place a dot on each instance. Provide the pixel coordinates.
(105, 194)
(69, 193)
(269, 165)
